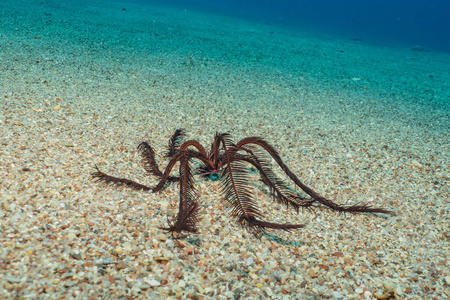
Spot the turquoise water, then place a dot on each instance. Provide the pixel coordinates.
(215, 50)
(360, 120)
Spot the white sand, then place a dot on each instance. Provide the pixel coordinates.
(83, 85)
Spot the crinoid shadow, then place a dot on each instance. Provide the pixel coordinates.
(228, 161)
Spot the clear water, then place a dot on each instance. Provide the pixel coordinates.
(420, 23)
(391, 58)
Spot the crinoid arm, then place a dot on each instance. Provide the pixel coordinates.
(175, 142)
(261, 226)
(150, 165)
(360, 208)
(237, 195)
(149, 159)
(108, 179)
(186, 219)
(166, 178)
(278, 189)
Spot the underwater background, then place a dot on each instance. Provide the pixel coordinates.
(354, 95)
(386, 23)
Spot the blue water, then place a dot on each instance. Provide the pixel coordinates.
(391, 23)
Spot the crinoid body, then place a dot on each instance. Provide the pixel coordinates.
(228, 161)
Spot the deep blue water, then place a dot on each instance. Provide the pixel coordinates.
(424, 23)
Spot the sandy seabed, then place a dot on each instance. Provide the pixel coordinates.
(85, 83)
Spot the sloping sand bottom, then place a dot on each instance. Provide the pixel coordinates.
(83, 84)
